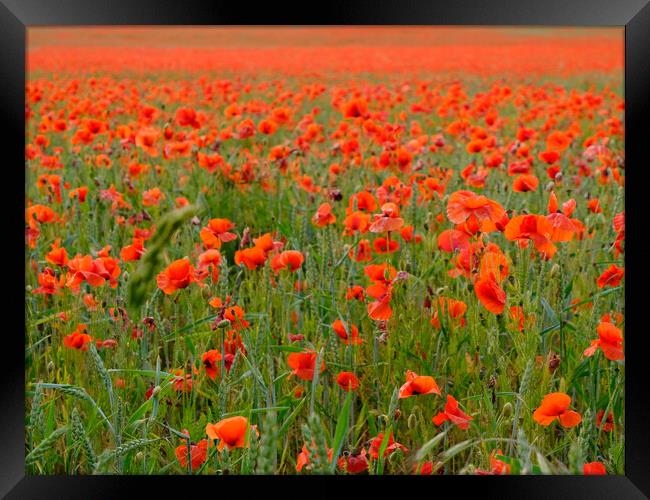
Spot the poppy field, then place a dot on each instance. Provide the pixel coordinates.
(324, 251)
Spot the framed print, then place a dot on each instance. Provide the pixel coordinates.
(345, 251)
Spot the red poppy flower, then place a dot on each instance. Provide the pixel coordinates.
(356, 222)
(608, 425)
(210, 258)
(524, 183)
(355, 292)
(453, 414)
(152, 197)
(385, 245)
(549, 157)
(364, 201)
(451, 308)
(612, 276)
(179, 274)
(464, 205)
(407, 234)
(252, 258)
(303, 457)
(426, 469)
(186, 117)
(217, 232)
(493, 264)
(78, 339)
(392, 446)
(324, 216)
(388, 220)
(594, 469)
(182, 382)
(289, 259)
(355, 108)
(304, 364)
(556, 406)
(353, 464)
(348, 335)
(211, 362)
(490, 294)
(198, 454)
(48, 283)
(95, 272)
(133, 251)
(610, 341)
(235, 315)
(230, 432)
(497, 467)
(594, 206)
(347, 381)
(451, 240)
(380, 309)
(536, 228)
(57, 255)
(362, 253)
(418, 384)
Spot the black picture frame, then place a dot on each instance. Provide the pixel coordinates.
(634, 15)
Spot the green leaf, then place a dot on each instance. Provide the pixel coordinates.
(289, 420)
(549, 311)
(190, 345)
(342, 429)
(429, 446)
(456, 449)
(382, 450)
(543, 464)
(287, 348)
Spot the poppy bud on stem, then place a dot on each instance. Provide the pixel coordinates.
(412, 421)
(554, 270)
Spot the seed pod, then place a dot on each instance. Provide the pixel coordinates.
(336, 195)
(554, 270)
(412, 421)
(224, 323)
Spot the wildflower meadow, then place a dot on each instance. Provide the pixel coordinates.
(324, 251)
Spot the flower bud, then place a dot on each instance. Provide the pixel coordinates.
(412, 421)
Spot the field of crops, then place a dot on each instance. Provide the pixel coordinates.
(324, 251)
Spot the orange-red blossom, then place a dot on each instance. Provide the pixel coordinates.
(610, 341)
(556, 406)
(179, 274)
(418, 384)
(230, 432)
